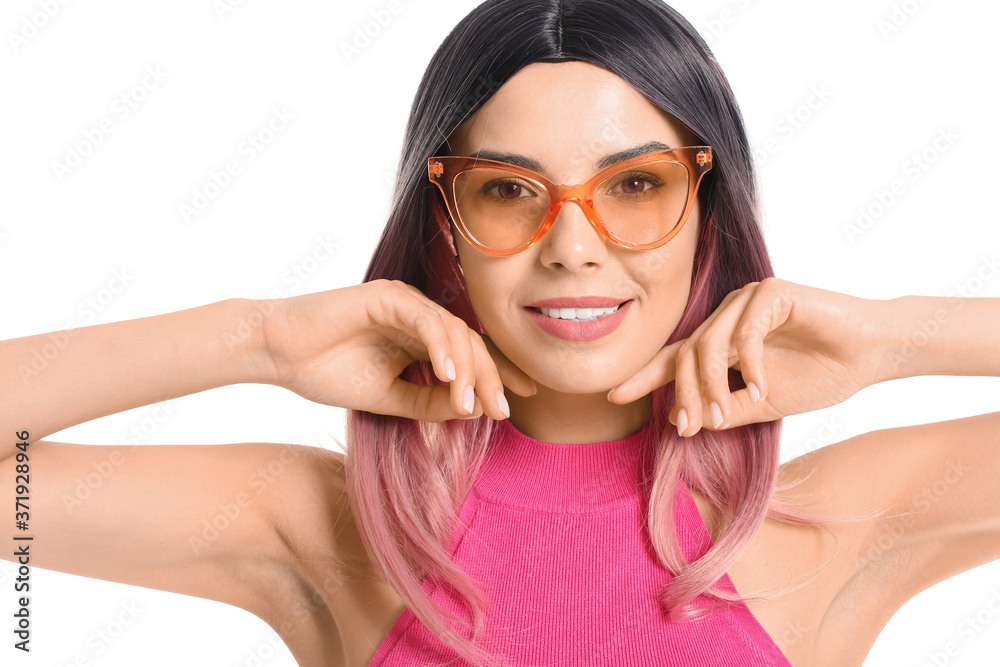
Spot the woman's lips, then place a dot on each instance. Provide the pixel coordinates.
(579, 331)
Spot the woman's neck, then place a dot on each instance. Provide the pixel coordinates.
(560, 418)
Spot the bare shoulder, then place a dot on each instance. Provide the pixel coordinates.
(346, 607)
(907, 507)
(929, 491)
(802, 571)
(308, 493)
(309, 507)
(236, 523)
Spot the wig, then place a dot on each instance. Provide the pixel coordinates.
(407, 480)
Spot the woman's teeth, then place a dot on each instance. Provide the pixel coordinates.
(578, 314)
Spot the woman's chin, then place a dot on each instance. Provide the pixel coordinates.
(579, 383)
(580, 372)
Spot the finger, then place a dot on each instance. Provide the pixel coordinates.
(444, 336)
(467, 364)
(657, 372)
(458, 355)
(687, 389)
(768, 309)
(488, 384)
(420, 402)
(695, 401)
(429, 341)
(660, 370)
(481, 378)
(749, 342)
(716, 352)
(743, 410)
(461, 353)
(407, 321)
(510, 374)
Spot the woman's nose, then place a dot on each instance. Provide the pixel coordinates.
(572, 241)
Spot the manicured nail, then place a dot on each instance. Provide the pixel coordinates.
(754, 392)
(716, 412)
(449, 368)
(469, 400)
(502, 401)
(682, 421)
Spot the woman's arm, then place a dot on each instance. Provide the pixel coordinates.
(52, 381)
(938, 481)
(942, 336)
(228, 522)
(197, 520)
(935, 484)
(931, 489)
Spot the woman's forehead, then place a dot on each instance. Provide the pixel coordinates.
(568, 113)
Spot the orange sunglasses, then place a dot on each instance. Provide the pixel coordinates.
(503, 226)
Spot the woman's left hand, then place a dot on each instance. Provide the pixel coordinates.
(798, 349)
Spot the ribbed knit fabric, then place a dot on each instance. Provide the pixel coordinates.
(556, 536)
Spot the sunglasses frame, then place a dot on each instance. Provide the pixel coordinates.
(443, 170)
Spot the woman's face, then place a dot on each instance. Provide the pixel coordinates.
(567, 117)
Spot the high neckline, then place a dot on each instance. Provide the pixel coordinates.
(524, 472)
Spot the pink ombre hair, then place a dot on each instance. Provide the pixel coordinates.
(407, 480)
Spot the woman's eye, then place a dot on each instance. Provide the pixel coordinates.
(508, 190)
(634, 185)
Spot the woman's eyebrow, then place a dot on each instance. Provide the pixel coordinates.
(603, 163)
(629, 153)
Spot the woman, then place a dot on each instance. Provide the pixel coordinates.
(492, 286)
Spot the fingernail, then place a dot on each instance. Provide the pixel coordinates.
(682, 421)
(716, 412)
(469, 400)
(502, 400)
(754, 392)
(609, 393)
(449, 368)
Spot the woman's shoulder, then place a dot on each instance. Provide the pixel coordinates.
(830, 596)
(309, 504)
(328, 599)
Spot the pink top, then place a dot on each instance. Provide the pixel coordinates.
(557, 536)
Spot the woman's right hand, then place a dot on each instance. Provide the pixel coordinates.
(347, 347)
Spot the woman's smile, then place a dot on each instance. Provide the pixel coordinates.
(576, 322)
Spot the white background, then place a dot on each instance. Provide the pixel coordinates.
(325, 179)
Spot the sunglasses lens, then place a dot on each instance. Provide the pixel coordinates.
(643, 204)
(500, 209)
(639, 205)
